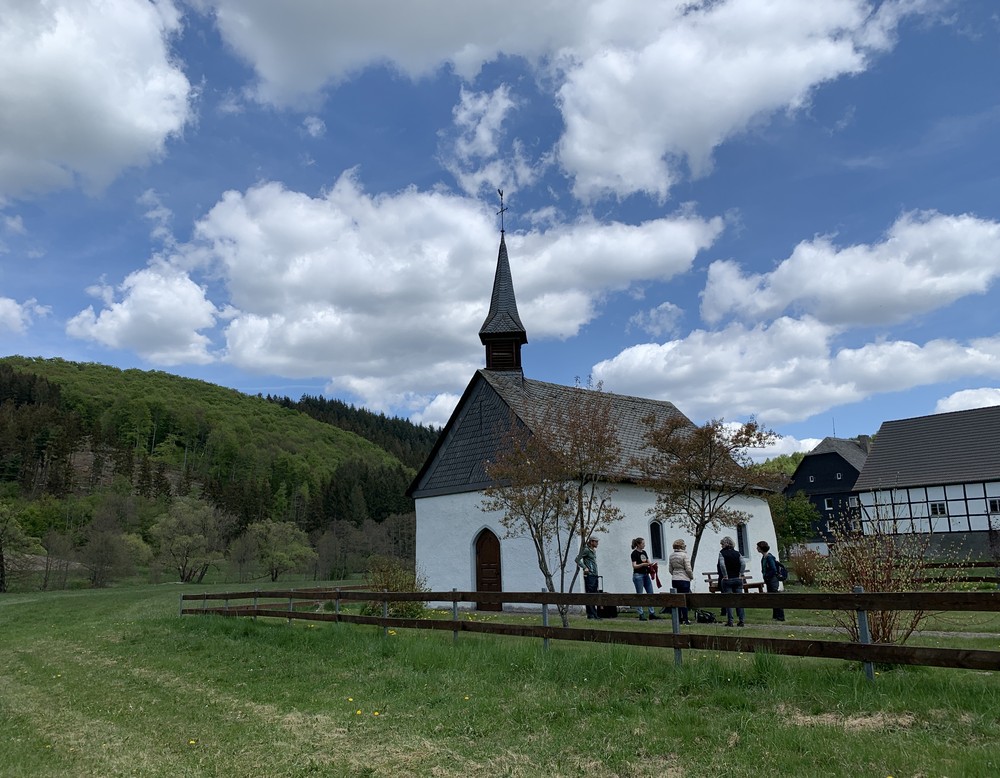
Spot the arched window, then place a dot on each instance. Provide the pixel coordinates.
(656, 540)
(743, 538)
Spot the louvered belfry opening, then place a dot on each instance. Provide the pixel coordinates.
(503, 355)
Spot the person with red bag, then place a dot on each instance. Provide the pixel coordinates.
(641, 574)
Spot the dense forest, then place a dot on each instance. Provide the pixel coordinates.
(408, 442)
(80, 440)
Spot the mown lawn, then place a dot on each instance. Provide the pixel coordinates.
(115, 683)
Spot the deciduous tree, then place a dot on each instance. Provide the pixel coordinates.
(189, 537)
(13, 540)
(555, 483)
(281, 547)
(697, 473)
(793, 518)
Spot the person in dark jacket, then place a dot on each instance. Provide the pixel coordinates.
(731, 567)
(586, 560)
(769, 572)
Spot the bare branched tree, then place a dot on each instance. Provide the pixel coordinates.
(555, 483)
(698, 472)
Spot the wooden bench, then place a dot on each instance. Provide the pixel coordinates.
(712, 579)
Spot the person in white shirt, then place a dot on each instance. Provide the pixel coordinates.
(681, 574)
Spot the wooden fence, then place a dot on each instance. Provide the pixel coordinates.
(958, 574)
(302, 604)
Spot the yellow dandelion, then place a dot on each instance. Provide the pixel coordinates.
(350, 699)
(357, 712)
(375, 713)
(466, 696)
(193, 742)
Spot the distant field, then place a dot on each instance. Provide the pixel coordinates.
(114, 683)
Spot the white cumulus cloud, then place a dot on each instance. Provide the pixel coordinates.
(15, 317)
(88, 88)
(647, 88)
(967, 399)
(926, 261)
(382, 295)
(160, 315)
(786, 371)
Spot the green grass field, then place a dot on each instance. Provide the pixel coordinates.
(115, 683)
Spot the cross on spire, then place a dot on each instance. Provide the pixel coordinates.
(500, 213)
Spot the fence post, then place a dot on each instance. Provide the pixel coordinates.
(180, 605)
(545, 622)
(864, 635)
(385, 613)
(291, 607)
(454, 614)
(256, 602)
(225, 606)
(675, 623)
(336, 605)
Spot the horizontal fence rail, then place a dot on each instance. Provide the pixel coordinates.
(293, 601)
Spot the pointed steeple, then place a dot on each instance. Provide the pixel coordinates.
(502, 333)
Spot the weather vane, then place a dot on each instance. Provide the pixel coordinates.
(502, 209)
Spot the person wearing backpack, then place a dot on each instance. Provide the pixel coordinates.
(770, 571)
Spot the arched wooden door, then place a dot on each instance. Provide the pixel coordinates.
(488, 577)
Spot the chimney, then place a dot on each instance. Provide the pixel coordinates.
(865, 441)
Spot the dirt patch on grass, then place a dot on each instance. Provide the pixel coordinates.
(874, 722)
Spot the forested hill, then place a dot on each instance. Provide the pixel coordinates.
(409, 443)
(69, 428)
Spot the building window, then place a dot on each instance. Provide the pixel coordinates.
(812, 478)
(939, 509)
(742, 539)
(994, 506)
(852, 501)
(839, 476)
(656, 539)
(828, 504)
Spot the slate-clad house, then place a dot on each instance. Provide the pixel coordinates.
(460, 546)
(936, 474)
(827, 475)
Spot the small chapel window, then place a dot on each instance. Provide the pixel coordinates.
(656, 539)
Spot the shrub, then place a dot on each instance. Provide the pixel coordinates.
(389, 574)
(806, 565)
(881, 560)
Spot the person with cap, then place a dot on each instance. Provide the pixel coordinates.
(586, 560)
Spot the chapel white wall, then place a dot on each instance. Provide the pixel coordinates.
(447, 527)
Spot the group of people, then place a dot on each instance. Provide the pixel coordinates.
(731, 568)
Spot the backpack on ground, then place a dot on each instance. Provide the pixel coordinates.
(704, 617)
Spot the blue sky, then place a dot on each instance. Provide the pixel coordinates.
(746, 207)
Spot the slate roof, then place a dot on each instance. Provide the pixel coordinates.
(945, 448)
(492, 400)
(503, 319)
(528, 398)
(851, 451)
